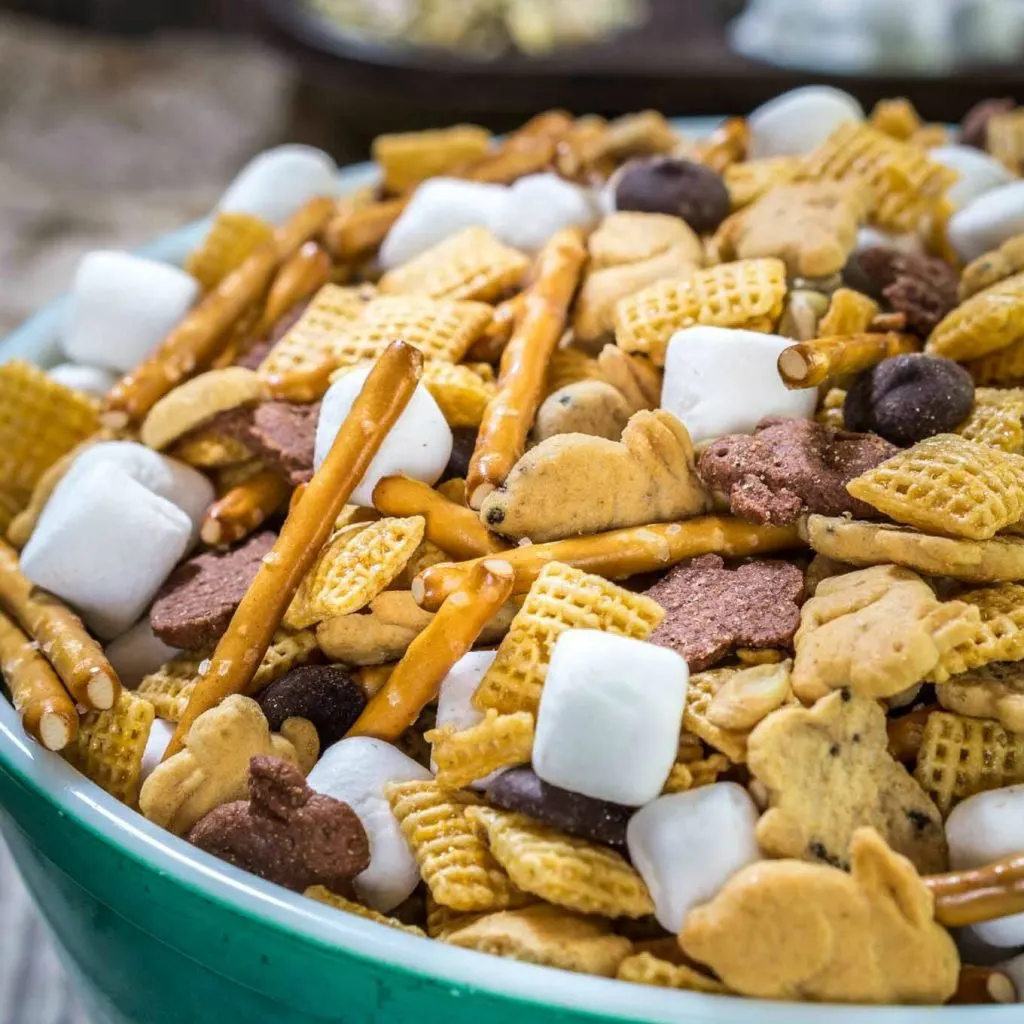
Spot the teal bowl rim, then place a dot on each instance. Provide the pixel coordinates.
(56, 783)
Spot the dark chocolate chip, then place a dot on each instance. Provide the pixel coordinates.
(521, 789)
(923, 288)
(834, 750)
(920, 820)
(820, 852)
(325, 694)
(495, 516)
(681, 188)
(463, 443)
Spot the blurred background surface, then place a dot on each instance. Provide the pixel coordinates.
(121, 119)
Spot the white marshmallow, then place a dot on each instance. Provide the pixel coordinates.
(1014, 969)
(276, 183)
(107, 548)
(166, 477)
(93, 380)
(356, 770)
(538, 205)
(988, 221)
(441, 207)
(137, 653)
(610, 714)
(454, 705)
(121, 307)
(418, 445)
(986, 828)
(870, 236)
(159, 739)
(688, 845)
(979, 173)
(721, 381)
(798, 121)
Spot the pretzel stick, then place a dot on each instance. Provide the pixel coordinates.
(618, 554)
(244, 508)
(430, 657)
(524, 364)
(453, 528)
(303, 275)
(907, 732)
(982, 985)
(490, 345)
(201, 334)
(728, 145)
(76, 657)
(978, 894)
(811, 363)
(238, 338)
(46, 710)
(357, 232)
(384, 396)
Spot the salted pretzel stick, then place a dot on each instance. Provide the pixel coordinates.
(358, 231)
(728, 145)
(980, 985)
(490, 345)
(384, 396)
(244, 508)
(618, 554)
(810, 363)
(301, 276)
(46, 710)
(979, 894)
(196, 341)
(238, 338)
(907, 732)
(453, 528)
(524, 363)
(60, 636)
(430, 657)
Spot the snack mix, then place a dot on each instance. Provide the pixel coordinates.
(594, 547)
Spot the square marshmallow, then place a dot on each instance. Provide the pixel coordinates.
(109, 550)
(137, 653)
(987, 221)
(723, 381)
(610, 714)
(538, 205)
(121, 307)
(276, 183)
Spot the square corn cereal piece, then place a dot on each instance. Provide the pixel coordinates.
(986, 324)
(561, 869)
(426, 555)
(356, 564)
(232, 239)
(109, 746)
(499, 741)
(962, 756)
(208, 448)
(287, 650)
(692, 775)
(407, 158)
(461, 392)
(997, 419)
(1005, 139)
(471, 264)
(905, 183)
(747, 294)
(947, 485)
(40, 420)
(311, 342)
(1005, 367)
(647, 969)
(548, 936)
(749, 180)
(168, 688)
(998, 637)
(442, 921)
(849, 312)
(322, 894)
(561, 598)
(453, 860)
(570, 366)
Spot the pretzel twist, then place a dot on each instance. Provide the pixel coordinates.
(524, 363)
(453, 528)
(452, 632)
(202, 334)
(76, 657)
(810, 363)
(978, 894)
(244, 508)
(618, 554)
(46, 710)
(384, 396)
(300, 277)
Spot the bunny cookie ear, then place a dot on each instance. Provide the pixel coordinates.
(883, 874)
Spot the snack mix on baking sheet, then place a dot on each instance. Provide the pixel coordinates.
(596, 547)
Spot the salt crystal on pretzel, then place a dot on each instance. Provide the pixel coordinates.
(244, 509)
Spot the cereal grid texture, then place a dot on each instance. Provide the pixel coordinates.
(324, 895)
(1000, 635)
(997, 419)
(232, 239)
(499, 741)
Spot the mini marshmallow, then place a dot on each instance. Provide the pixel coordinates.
(988, 221)
(159, 740)
(722, 381)
(276, 183)
(686, 846)
(121, 307)
(106, 547)
(538, 205)
(418, 445)
(356, 771)
(441, 207)
(978, 172)
(985, 828)
(610, 714)
(93, 380)
(137, 653)
(454, 705)
(869, 236)
(800, 120)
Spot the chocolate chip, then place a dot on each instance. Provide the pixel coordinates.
(974, 126)
(495, 516)
(463, 443)
(819, 852)
(910, 397)
(521, 789)
(834, 750)
(923, 288)
(325, 694)
(919, 820)
(681, 188)
(846, 694)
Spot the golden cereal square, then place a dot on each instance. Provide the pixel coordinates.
(647, 969)
(499, 741)
(324, 895)
(462, 393)
(987, 323)
(997, 419)
(232, 239)
(998, 637)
